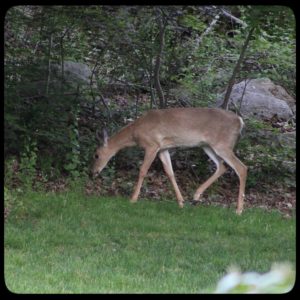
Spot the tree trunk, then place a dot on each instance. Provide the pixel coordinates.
(236, 71)
(49, 63)
(62, 64)
(162, 29)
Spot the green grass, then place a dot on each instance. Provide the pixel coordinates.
(71, 243)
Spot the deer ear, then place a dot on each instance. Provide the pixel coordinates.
(102, 139)
(105, 138)
(98, 137)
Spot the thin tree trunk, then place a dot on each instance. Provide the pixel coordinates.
(62, 63)
(136, 103)
(162, 29)
(150, 79)
(98, 91)
(236, 70)
(49, 64)
(153, 101)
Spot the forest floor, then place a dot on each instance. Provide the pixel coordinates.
(157, 187)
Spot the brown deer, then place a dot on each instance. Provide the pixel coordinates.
(215, 130)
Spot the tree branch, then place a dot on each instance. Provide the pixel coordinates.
(162, 28)
(49, 63)
(236, 70)
(233, 18)
(207, 30)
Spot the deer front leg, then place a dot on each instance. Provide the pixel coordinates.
(148, 159)
(240, 169)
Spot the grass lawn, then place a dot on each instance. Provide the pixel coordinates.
(71, 243)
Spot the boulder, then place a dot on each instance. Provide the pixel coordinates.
(261, 98)
(74, 71)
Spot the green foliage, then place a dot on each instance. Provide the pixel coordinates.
(110, 172)
(9, 201)
(73, 156)
(120, 45)
(265, 156)
(194, 22)
(272, 52)
(13, 203)
(9, 171)
(8, 197)
(28, 163)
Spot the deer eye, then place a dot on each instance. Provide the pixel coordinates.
(96, 156)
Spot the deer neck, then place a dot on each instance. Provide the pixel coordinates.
(121, 140)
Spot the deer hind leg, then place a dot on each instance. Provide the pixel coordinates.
(240, 169)
(167, 164)
(148, 159)
(220, 171)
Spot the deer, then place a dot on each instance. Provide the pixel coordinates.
(215, 130)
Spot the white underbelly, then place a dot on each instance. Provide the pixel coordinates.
(167, 144)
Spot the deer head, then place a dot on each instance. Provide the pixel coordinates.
(102, 154)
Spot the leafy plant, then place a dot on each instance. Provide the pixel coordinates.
(262, 151)
(28, 162)
(73, 156)
(9, 201)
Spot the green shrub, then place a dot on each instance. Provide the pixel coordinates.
(266, 158)
(8, 202)
(28, 163)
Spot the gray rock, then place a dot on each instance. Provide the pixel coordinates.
(76, 71)
(261, 98)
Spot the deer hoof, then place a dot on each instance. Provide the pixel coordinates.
(194, 202)
(181, 204)
(133, 200)
(239, 211)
